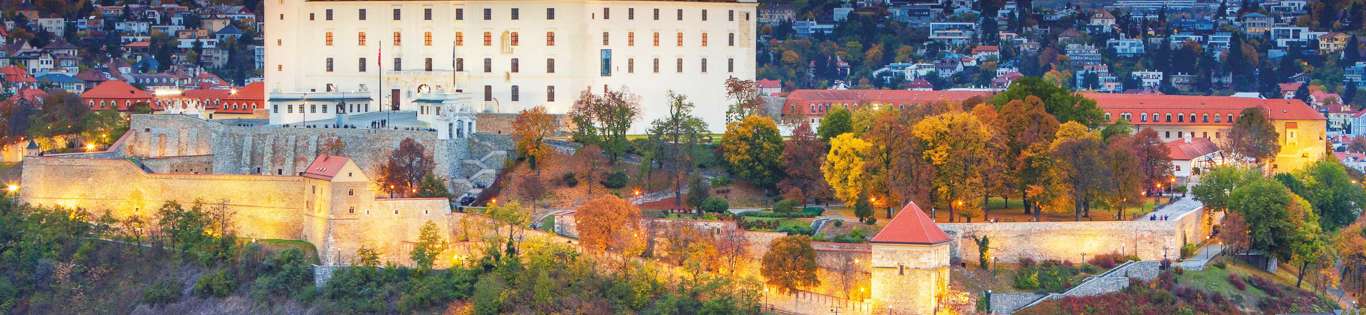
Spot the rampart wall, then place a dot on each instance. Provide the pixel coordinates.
(275, 207)
(274, 150)
(1070, 241)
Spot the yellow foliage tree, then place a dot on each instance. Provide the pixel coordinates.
(956, 143)
(843, 168)
(1072, 131)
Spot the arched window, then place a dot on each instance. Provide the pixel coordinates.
(1143, 117)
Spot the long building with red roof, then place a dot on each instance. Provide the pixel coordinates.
(118, 95)
(1302, 130)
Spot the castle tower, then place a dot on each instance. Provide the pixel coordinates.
(910, 264)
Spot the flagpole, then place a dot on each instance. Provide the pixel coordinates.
(379, 62)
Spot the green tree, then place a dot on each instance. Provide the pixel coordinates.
(836, 122)
(753, 149)
(790, 264)
(429, 246)
(1059, 101)
(1218, 183)
(1264, 204)
(1336, 197)
(603, 120)
(862, 209)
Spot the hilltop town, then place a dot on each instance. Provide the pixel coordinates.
(682, 157)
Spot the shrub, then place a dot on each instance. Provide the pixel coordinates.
(436, 289)
(214, 284)
(715, 204)
(720, 181)
(796, 230)
(785, 206)
(162, 292)
(1110, 260)
(284, 273)
(1220, 264)
(569, 179)
(1237, 282)
(1026, 279)
(839, 223)
(871, 221)
(1188, 250)
(615, 180)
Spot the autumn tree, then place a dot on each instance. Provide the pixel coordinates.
(994, 180)
(61, 113)
(510, 216)
(1154, 158)
(675, 140)
(837, 121)
(1025, 124)
(428, 247)
(956, 144)
(802, 159)
(1123, 190)
(909, 175)
(1233, 232)
(604, 119)
(589, 160)
(406, 167)
(608, 224)
(843, 167)
(690, 247)
(753, 149)
(790, 264)
(1252, 136)
(732, 247)
(882, 132)
(1080, 166)
(530, 129)
(744, 97)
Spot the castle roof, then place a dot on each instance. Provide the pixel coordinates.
(911, 226)
(325, 167)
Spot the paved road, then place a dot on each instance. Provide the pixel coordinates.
(1173, 210)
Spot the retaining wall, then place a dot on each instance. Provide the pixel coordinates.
(1070, 241)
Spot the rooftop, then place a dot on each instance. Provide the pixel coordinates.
(911, 226)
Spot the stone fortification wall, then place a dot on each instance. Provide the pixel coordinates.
(391, 228)
(189, 164)
(264, 206)
(273, 150)
(277, 207)
(502, 123)
(1069, 241)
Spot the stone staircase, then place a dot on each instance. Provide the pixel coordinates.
(486, 156)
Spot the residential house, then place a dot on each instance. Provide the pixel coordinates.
(62, 81)
(769, 87)
(1257, 23)
(54, 25)
(953, 33)
(1127, 48)
(1190, 156)
(1333, 42)
(1080, 54)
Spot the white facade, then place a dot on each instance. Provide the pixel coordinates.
(511, 55)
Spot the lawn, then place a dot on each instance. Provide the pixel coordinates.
(1216, 279)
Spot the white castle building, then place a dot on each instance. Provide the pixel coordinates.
(326, 58)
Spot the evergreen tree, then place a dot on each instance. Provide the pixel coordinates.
(1349, 91)
(1352, 52)
(1302, 93)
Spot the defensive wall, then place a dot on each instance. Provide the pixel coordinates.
(275, 207)
(274, 150)
(1070, 241)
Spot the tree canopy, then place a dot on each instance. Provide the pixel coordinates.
(1059, 101)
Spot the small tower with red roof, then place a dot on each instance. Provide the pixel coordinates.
(910, 264)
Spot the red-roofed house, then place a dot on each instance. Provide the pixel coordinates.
(235, 103)
(1302, 130)
(769, 87)
(910, 263)
(119, 95)
(16, 78)
(1192, 156)
(812, 104)
(30, 97)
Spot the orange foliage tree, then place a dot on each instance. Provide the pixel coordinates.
(530, 129)
(608, 224)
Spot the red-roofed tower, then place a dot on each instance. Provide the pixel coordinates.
(910, 264)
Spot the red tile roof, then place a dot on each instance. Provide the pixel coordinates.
(15, 74)
(115, 89)
(1180, 150)
(911, 226)
(817, 102)
(764, 83)
(325, 167)
(1136, 104)
(255, 91)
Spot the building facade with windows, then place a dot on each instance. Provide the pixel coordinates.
(507, 56)
(1302, 131)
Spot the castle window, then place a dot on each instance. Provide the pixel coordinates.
(516, 14)
(352, 191)
(398, 14)
(351, 210)
(550, 13)
(514, 66)
(1180, 118)
(459, 14)
(427, 14)
(361, 14)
